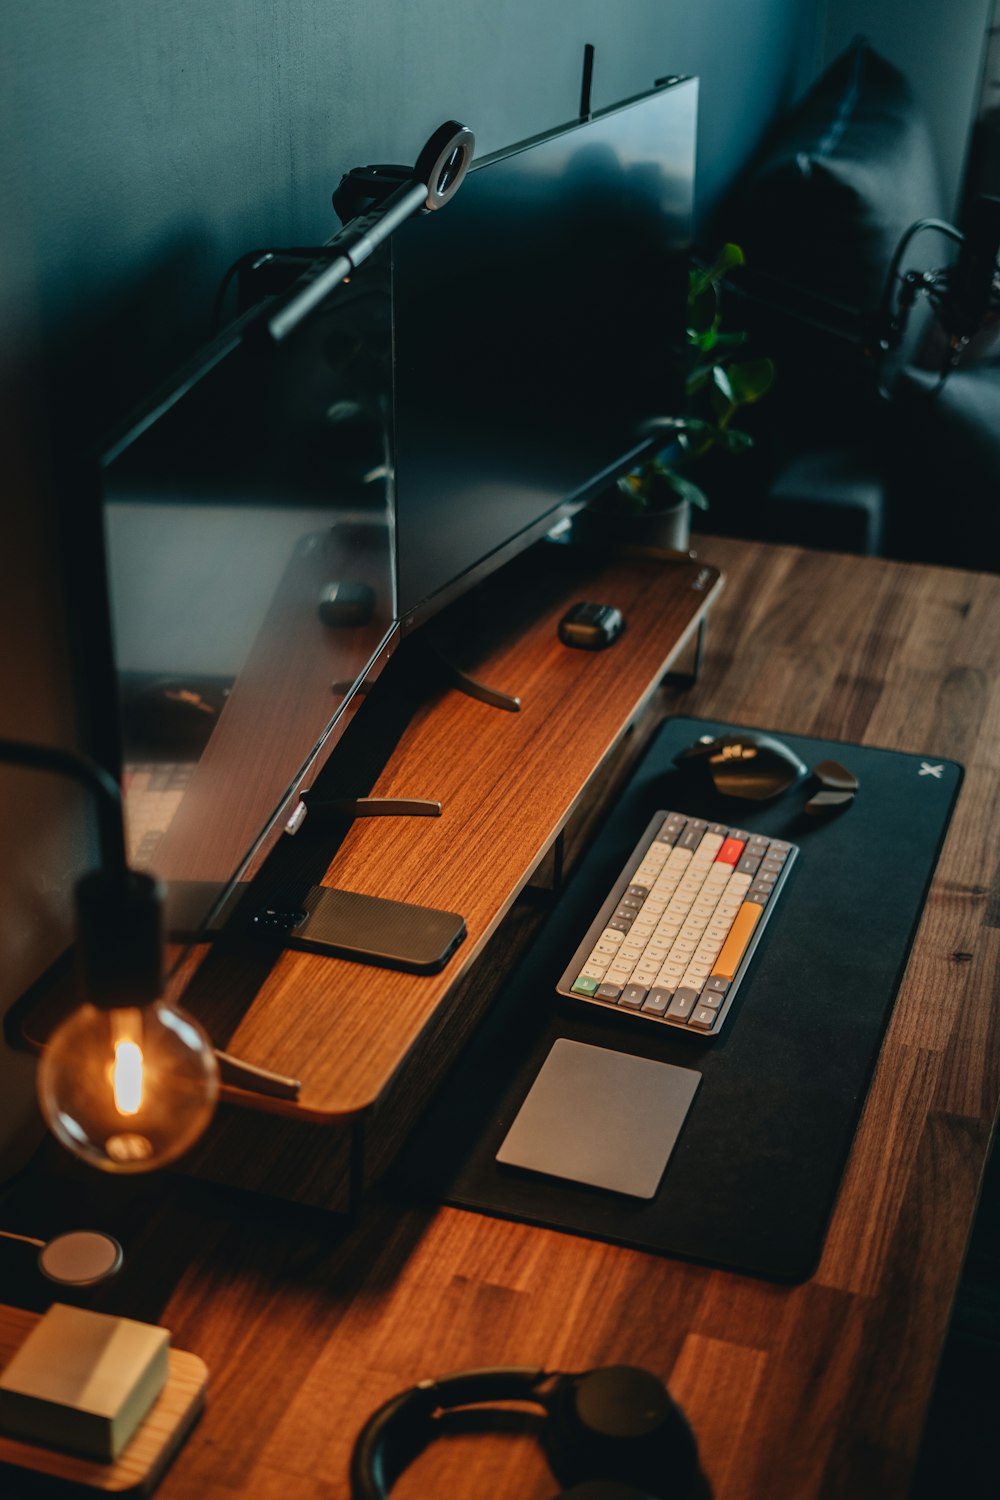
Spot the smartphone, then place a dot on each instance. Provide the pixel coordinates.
(368, 929)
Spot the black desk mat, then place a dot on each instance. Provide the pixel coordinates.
(752, 1181)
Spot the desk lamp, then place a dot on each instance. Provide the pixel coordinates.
(126, 1082)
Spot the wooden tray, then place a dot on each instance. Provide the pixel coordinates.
(141, 1465)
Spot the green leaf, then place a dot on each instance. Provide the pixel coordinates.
(751, 379)
(686, 490)
(702, 312)
(735, 441)
(705, 342)
(722, 382)
(720, 403)
(728, 258)
(698, 378)
(696, 427)
(730, 340)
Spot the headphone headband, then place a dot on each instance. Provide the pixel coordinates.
(616, 1430)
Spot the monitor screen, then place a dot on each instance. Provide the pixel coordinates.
(535, 318)
(249, 552)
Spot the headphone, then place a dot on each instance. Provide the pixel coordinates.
(608, 1434)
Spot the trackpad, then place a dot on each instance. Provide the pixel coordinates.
(602, 1118)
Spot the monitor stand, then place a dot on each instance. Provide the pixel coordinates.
(470, 686)
(371, 929)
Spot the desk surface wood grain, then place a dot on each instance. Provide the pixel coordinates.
(796, 1393)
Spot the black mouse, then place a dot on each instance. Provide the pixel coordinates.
(753, 766)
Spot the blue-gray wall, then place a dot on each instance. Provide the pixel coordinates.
(146, 143)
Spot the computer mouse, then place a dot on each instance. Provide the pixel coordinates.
(346, 604)
(753, 766)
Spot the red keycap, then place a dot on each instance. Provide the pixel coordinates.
(730, 852)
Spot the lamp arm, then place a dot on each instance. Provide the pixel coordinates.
(86, 772)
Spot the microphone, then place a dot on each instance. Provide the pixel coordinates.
(970, 283)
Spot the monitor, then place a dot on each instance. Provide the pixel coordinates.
(282, 512)
(249, 553)
(536, 320)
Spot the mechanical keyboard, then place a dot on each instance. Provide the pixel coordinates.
(674, 938)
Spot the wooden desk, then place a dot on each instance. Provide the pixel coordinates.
(814, 1390)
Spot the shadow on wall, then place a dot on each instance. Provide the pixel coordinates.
(107, 350)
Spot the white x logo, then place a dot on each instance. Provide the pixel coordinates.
(926, 769)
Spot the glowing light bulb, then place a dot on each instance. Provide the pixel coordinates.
(126, 1077)
(128, 1089)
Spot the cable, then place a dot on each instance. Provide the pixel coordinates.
(25, 1239)
(885, 320)
(111, 826)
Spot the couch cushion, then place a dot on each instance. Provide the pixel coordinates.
(839, 180)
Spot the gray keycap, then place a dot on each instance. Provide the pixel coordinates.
(778, 848)
(765, 877)
(718, 828)
(641, 891)
(608, 991)
(619, 923)
(632, 997)
(759, 893)
(712, 999)
(703, 1019)
(748, 864)
(684, 1002)
(656, 1002)
(690, 839)
(629, 903)
(717, 983)
(772, 866)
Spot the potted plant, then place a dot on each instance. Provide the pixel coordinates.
(657, 495)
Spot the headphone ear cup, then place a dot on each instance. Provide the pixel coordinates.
(621, 1424)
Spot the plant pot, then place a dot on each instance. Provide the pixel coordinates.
(667, 530)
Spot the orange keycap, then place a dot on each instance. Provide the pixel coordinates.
(735, 946)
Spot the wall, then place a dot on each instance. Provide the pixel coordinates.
(146, 143)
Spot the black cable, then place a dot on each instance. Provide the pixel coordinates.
(888, 289)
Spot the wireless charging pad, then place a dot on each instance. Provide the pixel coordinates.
(80, 1258)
